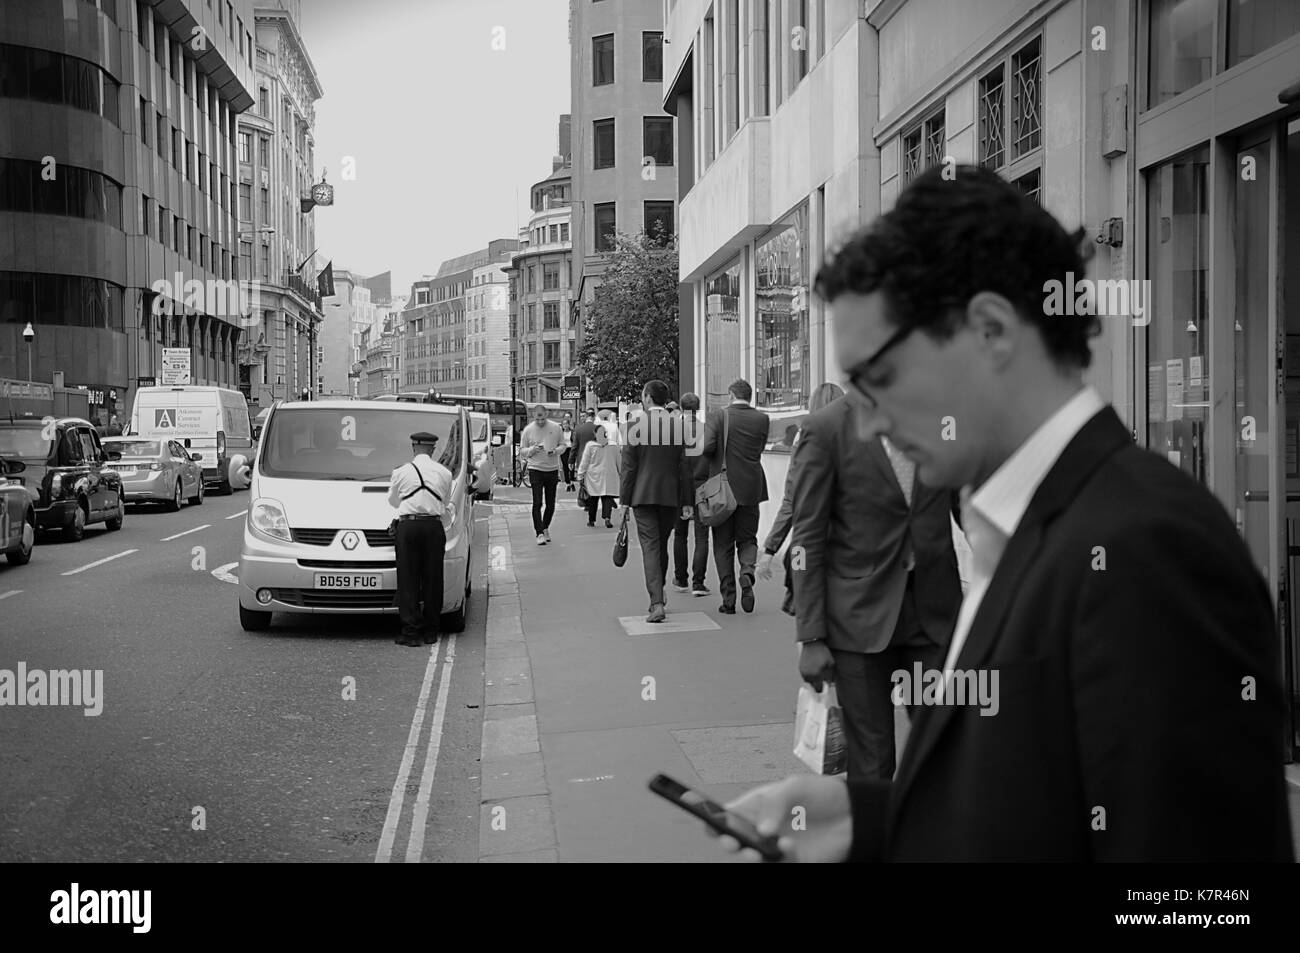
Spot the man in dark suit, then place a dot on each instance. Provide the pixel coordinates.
(583, 434)
(1128, 638)
(736, 539)
(657, 484)
(876, 588)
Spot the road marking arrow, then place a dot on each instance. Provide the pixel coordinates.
(225, 575)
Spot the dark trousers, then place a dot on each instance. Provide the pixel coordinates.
(654, 529)
(421, 545)
(735, 540)
(564, 466)
(606, 507)
(864, 686)
(700, 564)
(543, 483)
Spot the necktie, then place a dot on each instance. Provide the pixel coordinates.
(904, 469)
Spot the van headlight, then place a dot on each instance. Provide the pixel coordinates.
(267, 518)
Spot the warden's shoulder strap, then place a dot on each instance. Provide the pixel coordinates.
(423, 486)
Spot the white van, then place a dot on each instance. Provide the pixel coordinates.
(212, 422)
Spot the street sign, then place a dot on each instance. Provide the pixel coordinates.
(175, 365)
(147, 381)
(32, 389)
(571, 393)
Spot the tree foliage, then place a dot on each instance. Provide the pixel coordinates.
(630, 327)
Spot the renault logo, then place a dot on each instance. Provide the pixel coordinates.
(350, 540)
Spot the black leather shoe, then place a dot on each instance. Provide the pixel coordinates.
(747, 592)
(430, 638)
(729, 610)
(403, 640)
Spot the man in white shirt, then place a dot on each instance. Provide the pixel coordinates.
(541, 444)
(1112, 689)
(420, 492)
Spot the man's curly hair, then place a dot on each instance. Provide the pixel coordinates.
(948, 239)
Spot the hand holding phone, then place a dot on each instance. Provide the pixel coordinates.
(716, 816)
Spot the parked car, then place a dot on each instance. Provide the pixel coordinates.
(210, 421)
(157, 471)
(67, 473)
(17, 514)
(481, 444)
(316, 534)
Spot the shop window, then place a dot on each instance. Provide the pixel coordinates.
(781, 323)
(722, 338)
(1177, 337)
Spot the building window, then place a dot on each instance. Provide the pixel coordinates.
(1181, 50)
(652, 57)
(532, 279)
(602, 60)
(1256, 25)
(923, 147)
(264, 102)
(264, 206)
(245, 147)
(603, 144)
(550, 277)
(992, 151)
(781, 314)
(606, 224)
(177, 162)
(659, 221)
(657, 139)
(1026, 101)
(532, 318)
(265, 262)
(264, 151)
(722, 341)
(245, 202)
(564, 231)
(1030, 183)
(144, 121)
(160, 135)
(553, 233)
(551, 316)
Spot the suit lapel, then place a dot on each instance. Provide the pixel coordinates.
(876, 450)
(1100, 437)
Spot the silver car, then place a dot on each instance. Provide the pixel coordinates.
(157, 471)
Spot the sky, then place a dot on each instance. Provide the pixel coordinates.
(447, 133)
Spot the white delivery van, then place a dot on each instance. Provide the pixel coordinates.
(210, 421)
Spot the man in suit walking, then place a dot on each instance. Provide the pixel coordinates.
(1138, 700)
(736, 539)
(875, 576)
(657, 484)
(583, 434)
(688, 573)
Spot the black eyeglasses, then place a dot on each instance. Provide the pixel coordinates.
(857, 373)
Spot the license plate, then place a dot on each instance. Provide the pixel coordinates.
(123, 469)
(370, 580)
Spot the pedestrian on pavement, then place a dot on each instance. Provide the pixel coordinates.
(858, 504)
(566, 463)
(598, 473)
(540, 445)
(822, 396)
(114, 426)
(657, 484)
(741, 449)
(1138, 693)
(419, 491)
(584, 434)
(692, 430)
(611, 426)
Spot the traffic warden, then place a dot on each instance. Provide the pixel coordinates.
(420, 491)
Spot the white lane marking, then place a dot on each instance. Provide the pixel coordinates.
(99, 562)
(225, 575)
(168, 539)
(415, 846)
(235, 516)
(384, 853)
(11, 592)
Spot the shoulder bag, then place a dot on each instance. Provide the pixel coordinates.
(620, 542)
(714, 501)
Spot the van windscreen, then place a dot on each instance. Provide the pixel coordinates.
(358, 443)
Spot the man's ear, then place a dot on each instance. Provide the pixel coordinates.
(997, 326)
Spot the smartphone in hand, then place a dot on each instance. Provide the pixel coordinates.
(715, 815)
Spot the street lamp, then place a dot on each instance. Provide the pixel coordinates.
(29, 335)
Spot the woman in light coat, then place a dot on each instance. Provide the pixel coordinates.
(599, 474)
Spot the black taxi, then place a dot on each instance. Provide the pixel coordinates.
(66, 472)
(17, 514)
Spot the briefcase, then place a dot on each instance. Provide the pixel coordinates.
(714, 501)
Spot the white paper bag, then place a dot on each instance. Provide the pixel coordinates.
(819, 730)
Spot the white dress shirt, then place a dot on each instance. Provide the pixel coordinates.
(992, 513)
(406, 496)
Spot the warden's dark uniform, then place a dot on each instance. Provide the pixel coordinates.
(420, 491)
